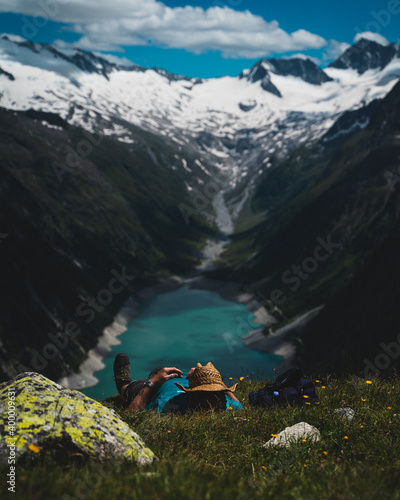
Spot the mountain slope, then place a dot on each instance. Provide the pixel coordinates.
(326, 213)
(359, 323)
(356, 331)
(72, 223)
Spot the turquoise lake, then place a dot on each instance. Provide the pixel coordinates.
(182, 328)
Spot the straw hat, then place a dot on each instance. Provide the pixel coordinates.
(205, 378)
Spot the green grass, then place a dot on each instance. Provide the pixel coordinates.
(220, 455)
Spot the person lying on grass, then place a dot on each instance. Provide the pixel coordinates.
(202, 388)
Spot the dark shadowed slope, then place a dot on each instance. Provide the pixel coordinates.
(69, 228)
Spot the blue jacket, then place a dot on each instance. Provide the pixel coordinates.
(171, 399)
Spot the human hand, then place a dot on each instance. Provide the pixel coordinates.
(165, 374)
(190, 372)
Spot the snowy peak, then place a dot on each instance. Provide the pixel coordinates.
(20, 49)
(300, 68)
(86, 61)
(259, 73)
(171, 77)
(365, 55)
(89, 63)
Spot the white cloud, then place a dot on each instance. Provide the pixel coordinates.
(374, 37)
(105, 24)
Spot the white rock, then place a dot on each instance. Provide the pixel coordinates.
(347, 413)
(289, 435)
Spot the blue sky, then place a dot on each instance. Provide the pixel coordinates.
(203, 38)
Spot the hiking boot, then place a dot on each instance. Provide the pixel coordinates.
(122, 370)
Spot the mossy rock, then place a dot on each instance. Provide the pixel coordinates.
(59, 422)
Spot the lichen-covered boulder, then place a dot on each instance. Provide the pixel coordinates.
(49, 417)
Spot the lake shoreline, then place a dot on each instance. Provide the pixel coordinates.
(227, 290)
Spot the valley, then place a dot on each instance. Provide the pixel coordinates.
(108, 167)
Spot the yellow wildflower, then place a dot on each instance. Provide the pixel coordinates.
(317, 381)
(241, 379)
(325, 453)
(323, 387)
(345, 437)
(263, 467)
(34, 448)
(368, 381)
(274, 435)
(362, 399)
(230, 408)
(389, 407)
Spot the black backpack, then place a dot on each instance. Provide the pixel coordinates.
(289, 388)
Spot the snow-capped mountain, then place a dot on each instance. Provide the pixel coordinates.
(240, 124)
(366, 55)
(305, 69)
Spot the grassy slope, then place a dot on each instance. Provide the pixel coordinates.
(218, 456)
